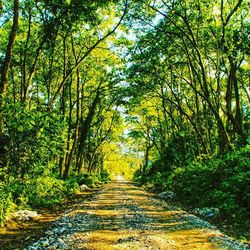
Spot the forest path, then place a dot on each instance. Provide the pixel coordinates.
(122, 216)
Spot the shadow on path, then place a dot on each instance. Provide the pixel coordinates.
(123, 216)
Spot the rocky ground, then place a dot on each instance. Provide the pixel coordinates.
(122, 216)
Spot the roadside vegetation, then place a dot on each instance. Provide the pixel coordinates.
(155, 89)
(189, 104)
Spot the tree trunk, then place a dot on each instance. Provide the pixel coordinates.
(145, 165)
(7, 60)
(238, 115)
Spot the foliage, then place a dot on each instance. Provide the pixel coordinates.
(57, 95)
(6, 203)
(222, 182)
(104, 176)
(188, 105)
(32, 133)
(90, 91)
(92, 180)
(46, 191)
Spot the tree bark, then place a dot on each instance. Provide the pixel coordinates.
(7, 60)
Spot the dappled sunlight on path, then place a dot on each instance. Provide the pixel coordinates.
(126, 217)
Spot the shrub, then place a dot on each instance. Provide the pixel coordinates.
(93, 180)
(6, 204)
(222, 182)
(104, 176)
(193, 183)
(71, 186)
(48, 190)
(34, 140)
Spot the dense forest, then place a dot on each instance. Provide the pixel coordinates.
(157, 91)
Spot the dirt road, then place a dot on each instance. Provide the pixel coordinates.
(122, 216)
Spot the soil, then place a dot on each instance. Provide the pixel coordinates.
(119, 216)
(20, 234)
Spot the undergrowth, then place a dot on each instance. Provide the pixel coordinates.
(45, 191)
(222, 182)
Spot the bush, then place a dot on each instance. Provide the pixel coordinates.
(34, 140)
(71, 186)
(222, 182)
(6, 204)
(93, 180)
(104, 176)
(193, 183)
(49, 190)
(137, 176)
(44, 191)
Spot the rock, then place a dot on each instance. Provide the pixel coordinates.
(52, 248)
(167, 195)
(207, 212)
(61, 241)
(25, 215)
(84, 187)
(215, 239)
(32, 248)
(45, 243)
(229, 243)
(195, 221)
(63, 229)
